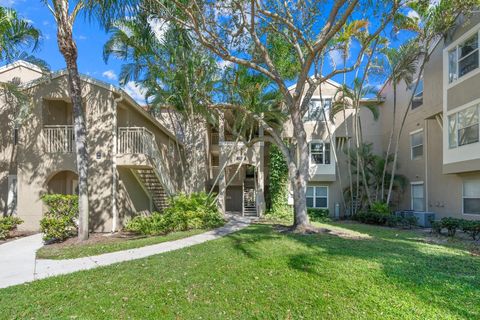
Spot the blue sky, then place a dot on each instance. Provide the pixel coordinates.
(89, 37)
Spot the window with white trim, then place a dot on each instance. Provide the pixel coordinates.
(471, 196)
(416, 145)
(316, 108)
(418, 97)
(418, 198)
(317, 197)
(463, 127)
(463, 58)
(319, 153)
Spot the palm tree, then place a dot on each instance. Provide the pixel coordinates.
(15, 34)
(402, 63)
(65, 14)
(177, 74)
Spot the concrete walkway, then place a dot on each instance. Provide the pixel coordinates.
(18, 264)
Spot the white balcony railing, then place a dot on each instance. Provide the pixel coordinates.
(139, 140)
(135, 140)
(59, 139)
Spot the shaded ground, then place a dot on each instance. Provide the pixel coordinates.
(262, 273)
(99, 243)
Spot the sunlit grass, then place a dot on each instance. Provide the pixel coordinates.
(263, 274)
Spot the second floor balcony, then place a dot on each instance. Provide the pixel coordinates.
(59, 139)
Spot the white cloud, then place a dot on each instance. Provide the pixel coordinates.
(336, 56)
(135, 91)
(45, 22)
(224, 64)
(8, 3)
(159, 28)
(110, 74)
(412, 14)
(82, 37)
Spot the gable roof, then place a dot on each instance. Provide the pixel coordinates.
(329, 81)
(107, 86)
(21, 63)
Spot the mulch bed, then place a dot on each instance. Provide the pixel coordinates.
(15, 235)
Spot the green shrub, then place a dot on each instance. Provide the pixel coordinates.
(451, 224)
(410, 221)
(371, 217)
(185, 212)
(437, 227)
(7, 225)
(471, 228)
(318, 215)
(380, 207)
(59, 222)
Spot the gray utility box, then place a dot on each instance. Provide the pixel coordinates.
(423, 218)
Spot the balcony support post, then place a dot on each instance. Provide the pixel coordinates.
(222, 183)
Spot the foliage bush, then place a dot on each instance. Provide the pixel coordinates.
(277, 196)
(436, 227)
(371, 217)
(7, 225)
(60, 221)
(471, 228)
(185, 212)
(318, 215)
(451, 224)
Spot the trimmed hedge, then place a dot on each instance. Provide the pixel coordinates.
(185, 212)
(7, 225)
(379, 214)
(318, 215)
(60, 221)
(472, 228)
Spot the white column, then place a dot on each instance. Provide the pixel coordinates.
(260, 199)
(222, 183)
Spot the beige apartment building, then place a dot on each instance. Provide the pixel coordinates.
(439, 150)
(133, 158)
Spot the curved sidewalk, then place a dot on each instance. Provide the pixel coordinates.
(18, 263)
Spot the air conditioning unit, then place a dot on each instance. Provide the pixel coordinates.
(424, 219)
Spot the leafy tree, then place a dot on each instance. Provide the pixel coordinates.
(242, 31)
(65, 13)
(177, 74)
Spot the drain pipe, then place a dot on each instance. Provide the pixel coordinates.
(116, 101)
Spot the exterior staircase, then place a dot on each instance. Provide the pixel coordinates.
(153, 186)
(249, 198)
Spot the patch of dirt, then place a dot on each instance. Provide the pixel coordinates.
(15, 235)
(338, 232)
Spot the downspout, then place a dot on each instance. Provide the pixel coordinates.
(114, 165)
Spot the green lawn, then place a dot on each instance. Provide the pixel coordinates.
(374, 273)
(110, 245)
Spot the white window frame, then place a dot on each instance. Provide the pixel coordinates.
(455, 46)
(322, 102)
(455, 114)
(412, 146)
(418, 94)
(324, 143)
(417, 183)
(315, 197)
(463, 198)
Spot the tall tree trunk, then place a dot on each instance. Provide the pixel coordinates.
(298, 173)
(68, 48)
(400, 129)
(390, 140)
